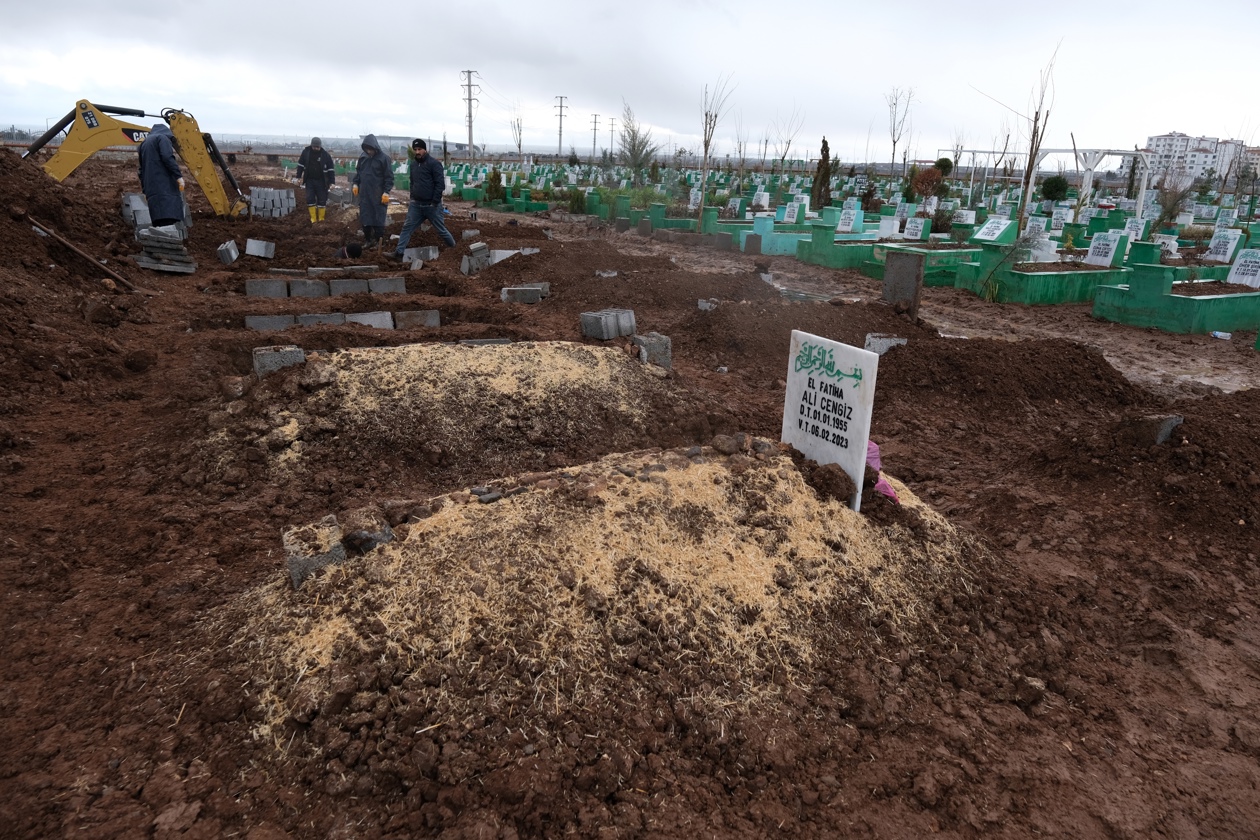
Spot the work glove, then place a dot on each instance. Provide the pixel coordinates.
(180, 181)
(355, 190)
(385, 198)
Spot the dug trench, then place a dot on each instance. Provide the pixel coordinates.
(662, 626)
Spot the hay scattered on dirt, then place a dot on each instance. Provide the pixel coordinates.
(696, 566)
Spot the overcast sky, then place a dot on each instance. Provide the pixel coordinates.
(1124, 70)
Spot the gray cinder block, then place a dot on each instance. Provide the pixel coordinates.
(266, 287)
(708, 305)
(347, 286)
(625, 321)
(308, 288)
(228, 252)
(654, 349)
(323, 272)
(277, 357)
(267, 323)
(417, 318)
(599, 325)
(752, 243)
(605, 274)
(328, 319)
(520, 294)
(470, 234)
(380, 320)
(881, 343)
(259, 248)
(428, 252)
(903, 281)
(645, 226)
(622, 224)
(387, 286)
(543, 287)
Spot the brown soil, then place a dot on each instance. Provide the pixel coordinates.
(1211, 288)
(1058, 267)
(665, 626)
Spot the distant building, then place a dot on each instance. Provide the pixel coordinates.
(1177, 152)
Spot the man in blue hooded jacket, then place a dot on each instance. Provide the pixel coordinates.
(160, 178)
(428, 182)
(373, 179)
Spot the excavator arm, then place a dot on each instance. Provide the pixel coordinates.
(90, 128)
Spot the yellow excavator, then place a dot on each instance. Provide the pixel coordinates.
(91, 129)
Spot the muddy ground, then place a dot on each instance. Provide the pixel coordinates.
(1078, 654)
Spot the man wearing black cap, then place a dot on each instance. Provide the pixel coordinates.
(315, 169)
(428, 182)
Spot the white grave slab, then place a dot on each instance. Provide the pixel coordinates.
(1224, 241)
(1102, 249)
(889, 227)
(848, 220)
(964, 217)
(1136, 228)
(992, 229)
(762, 200)
(790, 213)
(914, 228)
(1186, 218)
(1060, 217)
(1246, 268)
(1168, 243)
(1225, 218)
(827, 408)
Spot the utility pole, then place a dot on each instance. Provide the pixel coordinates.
(560, 142)
(468, 97)
(594, 129)
(612, 123)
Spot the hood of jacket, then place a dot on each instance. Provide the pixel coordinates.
(161, 128)
(370, 142)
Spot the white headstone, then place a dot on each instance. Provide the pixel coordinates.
(733, 205)
(1167, 242)
(914, 228)
(1186, 218)
(827, 407)
(1085, 214)
(889, 227)
(762, 200)
(1246, 268)
(1224, 241)
(790, 213)
(694, 201)
(1060, 217)
(1136, 228)
(848, 219)
(992, 229)
(964, 217)
(1102, 248)
(1225, 218)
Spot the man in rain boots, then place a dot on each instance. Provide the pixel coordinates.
(315, 170)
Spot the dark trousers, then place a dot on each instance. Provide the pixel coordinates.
(316, 193)
(418, 213)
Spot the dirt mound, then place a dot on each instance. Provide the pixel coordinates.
(600, 627)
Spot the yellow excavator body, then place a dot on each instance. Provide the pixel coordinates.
(91, 128)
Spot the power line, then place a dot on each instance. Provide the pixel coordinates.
(560, 142)
(468, 85)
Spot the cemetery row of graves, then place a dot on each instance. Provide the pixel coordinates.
(1189, 268)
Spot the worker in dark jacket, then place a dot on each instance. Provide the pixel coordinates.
(160, 178)
(428, 182)
(315, 170)
(373, 179)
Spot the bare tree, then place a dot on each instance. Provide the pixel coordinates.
(1171, 193)
(741, 145)
(637, 148)
(714, 109)
(956, 147)
(785, 132)
(516, 125)
(898, 109)
(763, 146)
(1039, 120)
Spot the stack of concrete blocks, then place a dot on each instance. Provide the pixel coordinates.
(608, 324)
(164, 250)
(228, 252)
(476, 259)
(259, 248)
(654, 349)
(265, 202)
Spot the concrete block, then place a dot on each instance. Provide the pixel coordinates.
(605, 274)
(625, 321)
(380, 320)
(479, 248)
(415, 265)
(328, 319)
(428, 252)
(277, 357)
(654, 349)
(499, 255)
(708, 305)
(417, 318)
(141, 217)
(1148, 430)
(267, 287)
(306, 288)
(483, 342)
(470, 234)
(288, 272)
(228, 252)
(543, 287)
(259, 248)
(724, 241)
(903, 281)
(474, 263)
(752, 243)
(313, 547)
(387, 286)
(347, 286)
(599, 325)
(361, 269)
(324, 272)
(525, 252)
(520, 294)
(622, 224)
(881, 343)
(645, 226)
(267, 323)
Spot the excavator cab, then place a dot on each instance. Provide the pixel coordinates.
(91, 128)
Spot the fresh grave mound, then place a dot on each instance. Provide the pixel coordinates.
(650, 613)
(485, 409)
